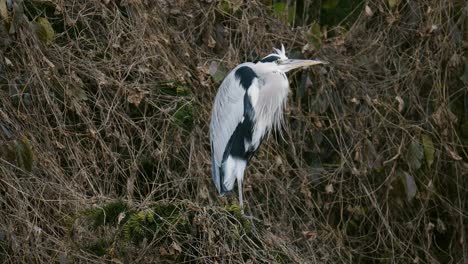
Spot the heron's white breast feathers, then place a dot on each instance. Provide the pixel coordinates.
(273, 94)
(254, 91)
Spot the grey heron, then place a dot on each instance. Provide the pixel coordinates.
(248, 105)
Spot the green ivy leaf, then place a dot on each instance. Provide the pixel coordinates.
(393, 3)
(224, 6)
(217, 71)
(279, 8)
(230, 6)
(330, 4)
(428, 146)
(292, 14)
(24, 153)
(281, 11)
(414, 155)
(4, 12)
(315, 35)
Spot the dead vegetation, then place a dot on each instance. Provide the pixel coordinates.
(104, 155)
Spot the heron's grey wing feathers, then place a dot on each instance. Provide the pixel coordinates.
(228, 110)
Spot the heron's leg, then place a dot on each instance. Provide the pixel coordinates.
(241, 200)
(241, 203)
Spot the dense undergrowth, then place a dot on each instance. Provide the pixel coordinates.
(104, 113)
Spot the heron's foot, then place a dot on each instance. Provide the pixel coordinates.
(251, 219)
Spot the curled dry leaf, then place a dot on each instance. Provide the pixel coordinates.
(454, 155)
(401, 103)
(329, 188)
(120, 217)
(8, 62)
(368, 11)
(176, 247)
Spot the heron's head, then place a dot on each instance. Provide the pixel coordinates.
(279, 62)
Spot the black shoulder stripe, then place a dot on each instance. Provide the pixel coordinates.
(248, 112)
(245, 75)
(243, 132)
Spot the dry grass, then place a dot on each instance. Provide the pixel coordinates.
(116, 108)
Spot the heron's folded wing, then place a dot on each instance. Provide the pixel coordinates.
(227, 113)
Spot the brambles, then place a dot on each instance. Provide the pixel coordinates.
(104, 152)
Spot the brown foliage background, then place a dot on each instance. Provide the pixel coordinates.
(372, 166)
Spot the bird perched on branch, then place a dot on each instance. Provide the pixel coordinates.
(249, 104)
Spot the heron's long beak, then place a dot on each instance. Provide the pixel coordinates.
(290, 64)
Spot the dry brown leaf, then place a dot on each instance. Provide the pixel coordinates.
(454, 155)
(368, 11)
(310, 235)
(401, 103)
(433, 28)
(163, 251)
(355, 101)
(211, 42)
(8, 62)
(329, 188)
(120, 217)
(135, 96)
(93, 133)
(176, 246)
(442, 116)
(193, 207)
(59, 145)
(4, 11)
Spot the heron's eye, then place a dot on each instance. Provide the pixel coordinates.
(277, 61)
